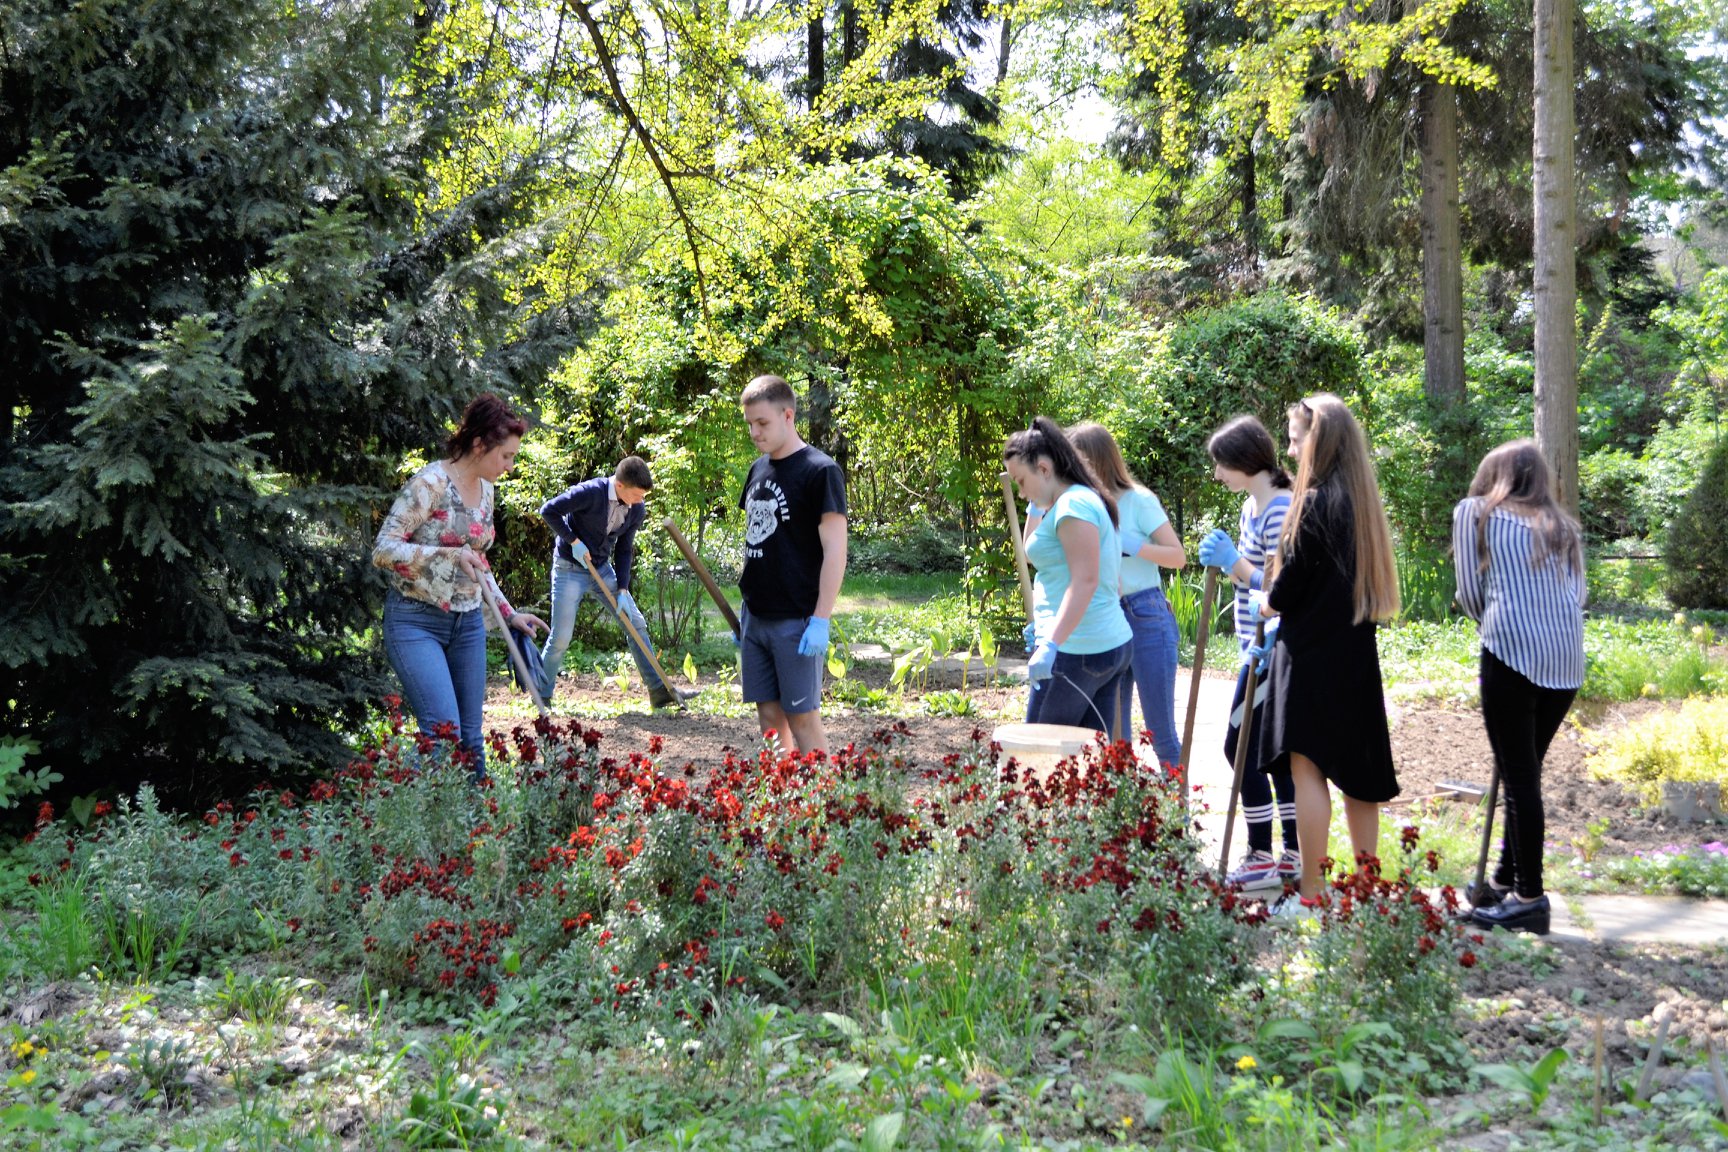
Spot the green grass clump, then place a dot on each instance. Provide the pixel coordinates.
(1689, 744)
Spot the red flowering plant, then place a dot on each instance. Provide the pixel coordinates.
(1387, 950)
(1096, 866)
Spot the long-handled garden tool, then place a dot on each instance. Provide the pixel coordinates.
(1019, 540)
(492, 597)
(641, 642)
(1242, 742)
(1487, 828)
(1202, 637)
(705, 576)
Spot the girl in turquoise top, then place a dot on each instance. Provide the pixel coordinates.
(1148, 544)
(1081, 644)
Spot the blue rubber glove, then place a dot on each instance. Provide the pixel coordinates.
(1217, 550)
(1030, 635)
(627, 604)
(1043, 663)
(1257, 604)
(1261, 654)
(1132, 542)
(814, 642)
(579, 550)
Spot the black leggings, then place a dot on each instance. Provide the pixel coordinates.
(1522, 719)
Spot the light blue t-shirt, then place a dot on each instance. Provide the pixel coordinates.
(1140, 512)
(1104, 626)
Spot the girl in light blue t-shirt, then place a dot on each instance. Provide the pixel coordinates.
(1148, 543)
(1081, 640)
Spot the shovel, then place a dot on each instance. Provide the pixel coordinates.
(1202, 636)
(492, 596)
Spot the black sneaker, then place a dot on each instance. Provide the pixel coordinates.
(1487, 897)
(667, 697)
(1515, 915)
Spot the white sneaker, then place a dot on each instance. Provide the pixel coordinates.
(1257, 872)
(1291, 909)
(1290, 866)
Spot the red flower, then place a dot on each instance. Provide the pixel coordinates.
(1467, 959)
(774, 920)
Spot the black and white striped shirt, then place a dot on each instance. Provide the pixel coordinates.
(1531, 615)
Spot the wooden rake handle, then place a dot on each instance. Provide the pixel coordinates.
(705, 576)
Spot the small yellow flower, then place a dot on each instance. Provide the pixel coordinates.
(22, 1049)
(1127, 1122)
(1651, 690)
(1247, 1064)
(27, 1076)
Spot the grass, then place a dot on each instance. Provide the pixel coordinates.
(1669, 659)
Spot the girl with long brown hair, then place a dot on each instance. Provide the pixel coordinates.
(1148, 543)
(1519, 561)
(1332, 579)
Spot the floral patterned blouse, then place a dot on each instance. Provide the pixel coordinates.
(428, 517)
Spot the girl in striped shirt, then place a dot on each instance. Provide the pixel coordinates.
(1520, 566)
(1245, 460)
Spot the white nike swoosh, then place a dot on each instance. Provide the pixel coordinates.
(795, 704)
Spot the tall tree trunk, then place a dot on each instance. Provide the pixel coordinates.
(1556, 248)
(851, 38)
(818, 63)
(1442, 253)
(1002, 49)
(1246, 173)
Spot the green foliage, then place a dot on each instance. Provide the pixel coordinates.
(1258, 355)
(1686, 745)
(16, 781)
(1697, 540)
(234, 300)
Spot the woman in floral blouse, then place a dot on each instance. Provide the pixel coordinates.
(433, 544)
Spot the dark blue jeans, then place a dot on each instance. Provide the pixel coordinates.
(440, 658)
(1154, 665)
(1085, 691)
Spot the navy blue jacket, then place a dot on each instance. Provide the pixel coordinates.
(580, 512)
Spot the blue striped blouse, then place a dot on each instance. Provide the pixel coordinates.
(1531, 616)
(1257, 540)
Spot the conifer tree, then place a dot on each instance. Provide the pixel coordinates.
(230, 301)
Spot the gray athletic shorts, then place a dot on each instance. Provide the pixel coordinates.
(773, 670)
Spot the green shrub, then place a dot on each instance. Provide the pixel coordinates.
(1688, 744)
(1697, 544)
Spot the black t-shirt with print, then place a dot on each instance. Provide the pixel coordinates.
(784, 502)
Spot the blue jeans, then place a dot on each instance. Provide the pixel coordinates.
(1087, 691)
(570, 583)
(1154, 664)
(440, 658)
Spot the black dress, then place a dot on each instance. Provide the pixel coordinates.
(1326, 700)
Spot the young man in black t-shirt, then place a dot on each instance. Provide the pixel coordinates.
(794, 502)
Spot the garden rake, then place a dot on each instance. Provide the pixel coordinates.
(641, 642)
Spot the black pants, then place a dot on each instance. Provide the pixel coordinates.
(1521, 719)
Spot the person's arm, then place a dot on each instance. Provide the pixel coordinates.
(1164, 548)
(832, 530)
(1160, 545)
(556, 513)
(1465, 558)
(395, 547)
(1080, 544)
